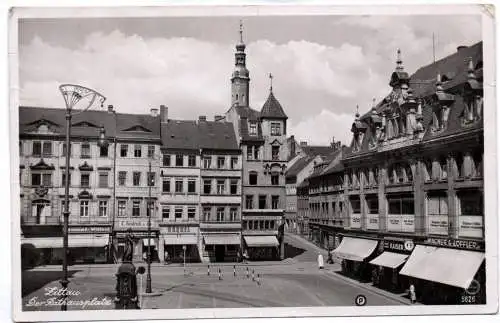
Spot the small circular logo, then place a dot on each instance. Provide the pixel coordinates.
(473, 288)
(360, 300)
(409, 245)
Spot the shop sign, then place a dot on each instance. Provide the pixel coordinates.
(401, 223)
(399, 245)
(372, 222)
(455, 243)
(355, 221)
(470, 226)
(89, 229)
(138, 234)
(438, 225)
(133, 224)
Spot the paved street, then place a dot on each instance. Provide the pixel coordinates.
(295, 281)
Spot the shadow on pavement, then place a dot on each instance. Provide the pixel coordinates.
(291, 251)
(32, 280)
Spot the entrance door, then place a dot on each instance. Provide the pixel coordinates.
(219, 253)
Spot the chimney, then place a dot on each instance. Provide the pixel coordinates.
(292, 146)
(202, 118)
(461, 47)
(110, 108)
(163, 114)
(332, 144)
(154, 112)
(303, 144)
(218, 117)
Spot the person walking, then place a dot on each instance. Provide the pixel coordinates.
(321, 263)
(413, 294)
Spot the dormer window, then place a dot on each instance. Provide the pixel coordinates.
(252, 129)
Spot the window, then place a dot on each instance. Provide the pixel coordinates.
(233, 214)
(85, 180)
(136, 208)
(252, 178)
(191, 186)
(122, 208)
(151, 178)
(151, 151)
(220, 162)
(103, 151)
(252, 129)
(471, 203)
(178, 212)
(37, 148)
(372, 204)
(275, 129)
(63, 182)
(220, 186)
(266, 225)
(234, 162)
(85, 150)
(123, 150)
(206, 213)
(84, 208)
(207, 186)
(275, 201)
(178, 185)
(103, 180)
(137, 151)
(275, 179)
(165, 212)
(355, 205)
(249, 153)
(103, 208)
(234, 186)
(207, 161)
(478, 165)
(36, 179)
(150, 208)
(250, 225)
(408, 173)
(191, 160)
(166, 185)
(166, 160)
(272, 225)
(437, 204)
(244, 225)
(47, 149)
(443, 164)
(220, 214)
(275, 152)
(122, 178)
(179, 160)
(249, 202)
(262, 202)
(256, 153)
(459, 163)
(191, 212)
(64, 150)
(401, 205)
(136, 178)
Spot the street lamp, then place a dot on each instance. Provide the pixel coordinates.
(148, 277)
(72, 95)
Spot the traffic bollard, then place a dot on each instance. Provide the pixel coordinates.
(208, 272)
(234, 270)
(220, 274)
(253, 274)
(258, 279)
(248, 275)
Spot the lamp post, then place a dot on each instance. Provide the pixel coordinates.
(148, 276)
(72, 95)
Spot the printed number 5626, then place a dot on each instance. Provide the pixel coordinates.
(468, 299)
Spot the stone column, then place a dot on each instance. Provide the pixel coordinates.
(382, 207)
(468, 164)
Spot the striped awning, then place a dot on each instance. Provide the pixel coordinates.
(74, 241)
(261, 241)
(222, 239)
(180, 240)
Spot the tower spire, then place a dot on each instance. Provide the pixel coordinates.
(241, 31)
(357, 112)
(399, 61)
(270, 82)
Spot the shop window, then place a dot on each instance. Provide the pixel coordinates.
(249, 202)
(207, 186)
(166, 160)
(136, 178)
(122, 178)
(275, 179)
(122, 208)
(372, 204)
(401, 205)
(137, 151)
(355, 205)
(123, 150)
(136, 208)
(262, 202)
(437, 204)
(221, 161)
(179, 160)
(84, 209)
(166, 185)
(85, 180)
(191, 186)
(191, 160)
(471, 203)
(103, 208)
(165, 212)
(178, 185)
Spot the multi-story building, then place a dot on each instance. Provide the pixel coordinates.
(42, 150)
(413, 183)
(262, 139)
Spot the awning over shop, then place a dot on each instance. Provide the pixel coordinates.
(355, 248)
(180, 240)
(222, 239)
(261, 241)
(389, 259)
(74, 241)
(447, 266)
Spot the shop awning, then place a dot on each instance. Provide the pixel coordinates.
(74, 241)
(355, 248)
(447, 266)
(180, 240)
(220, 239)
(389, 259)
(261, 241)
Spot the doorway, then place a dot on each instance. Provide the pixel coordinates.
(220, 251)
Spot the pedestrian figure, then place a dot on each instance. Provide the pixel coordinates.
(413, 294)
(330, 257)
(253, 274)
(208, 270)
(238, 256)
(220, 274)
(234, 270)
(245, 256)
(321, 264)
(166, 257)
(258, 279)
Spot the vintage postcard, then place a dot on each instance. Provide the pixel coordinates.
(253, 161)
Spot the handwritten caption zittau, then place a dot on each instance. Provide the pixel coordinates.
(55, 296)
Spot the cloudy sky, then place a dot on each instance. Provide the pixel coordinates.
(323, 66)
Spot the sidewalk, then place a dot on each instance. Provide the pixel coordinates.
(333, 269)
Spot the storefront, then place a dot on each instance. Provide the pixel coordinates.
(447, 271)
(386, 266)
(262, 247)
(355, 254)
(140, 237)
(177, 247)
(220, 247)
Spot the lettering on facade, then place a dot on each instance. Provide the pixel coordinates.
(89, 229)
(400, 246)
(455, 243)
(134, 224)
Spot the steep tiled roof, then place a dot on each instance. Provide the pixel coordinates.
(180, 134)
(248, 114)
(272, 108)
(330, 161)
(322, 151)
(217, 135)
(137, 126)
(298, 166)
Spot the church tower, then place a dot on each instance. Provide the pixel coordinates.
(240, 80)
